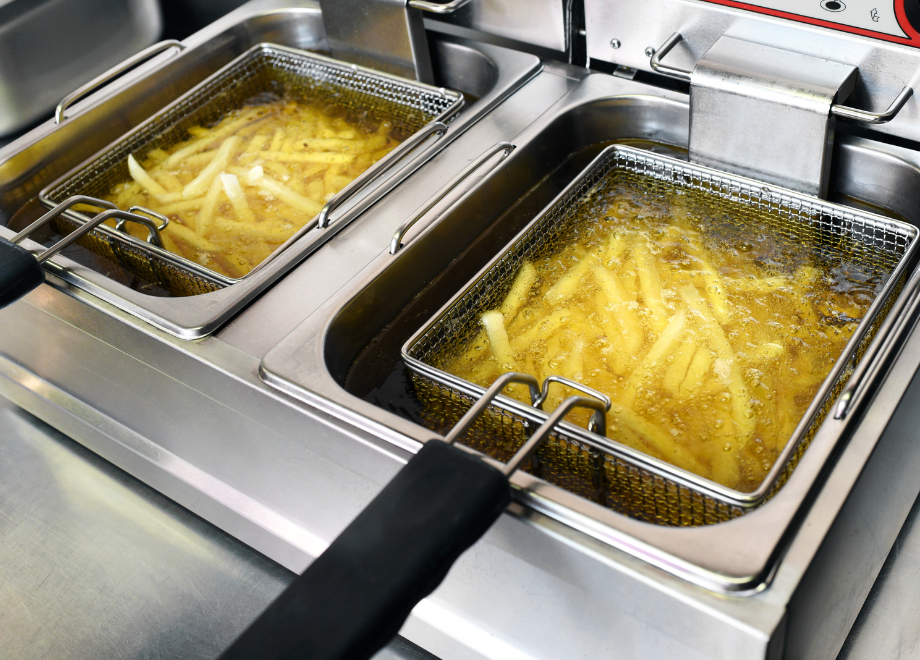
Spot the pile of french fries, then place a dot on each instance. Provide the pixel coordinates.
(710, 356)
(235, 191)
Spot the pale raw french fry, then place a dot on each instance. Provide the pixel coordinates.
(237, 197)
(650, 284)
(169, 181)
(277, 140)
(297, 157)
(662, 442)
(696, 371)
(201, 183)
(633, 334)
(541, 330)
(520, 291)
(169, 197)
(677, 370)
(140, 175)
(715, 288)
(741, 410)
(191, 238)
(288, 196)
(567, 285)
(494, 323)
(181, 207)
(664, 345)
(205, 142)
(203, 221)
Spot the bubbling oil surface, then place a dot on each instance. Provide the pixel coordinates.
(711, 326)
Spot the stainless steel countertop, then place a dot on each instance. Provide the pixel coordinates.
(94, 564)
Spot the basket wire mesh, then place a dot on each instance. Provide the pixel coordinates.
(603, 471)
(361, 95)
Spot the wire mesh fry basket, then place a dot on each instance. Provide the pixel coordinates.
(604, 470)
(358, 92)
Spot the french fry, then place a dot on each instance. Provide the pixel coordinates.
(741, 411)
(288, 196)
(650, 284)
(201, 183)
(494, 324)
(140, 175)
(237, 198)
(677, 370)
(519, 292)
(567, 285)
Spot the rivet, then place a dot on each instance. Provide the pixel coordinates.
(615, 43)
(649, 51)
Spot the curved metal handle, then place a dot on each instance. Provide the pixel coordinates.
(672, 71)
(845, 112)
(396, 241)
(88, 226)
(57, 210)
(384, 164)
(533, 442)
(895, 321)
(153, 228)
(112, 73)
(438, 7)
(575, 385)
(494, 390)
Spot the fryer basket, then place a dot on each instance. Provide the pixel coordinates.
(601, 469)
(407, 105)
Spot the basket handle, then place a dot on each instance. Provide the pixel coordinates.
(113, 73)
(355, 597)
(505, 147)
(384, 164)
(21, 271)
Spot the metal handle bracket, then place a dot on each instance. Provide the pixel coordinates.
(113, 73)
(396, 242)
(666, 69)
(438, 7)
(845, 112)
(384, 164)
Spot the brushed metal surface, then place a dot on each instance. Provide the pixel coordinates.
(94, 564)
(764, 113)
(386, 34)
(46, 53)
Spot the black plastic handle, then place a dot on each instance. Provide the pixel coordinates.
(20, 272)
(354, 598)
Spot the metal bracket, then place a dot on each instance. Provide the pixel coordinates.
(768, 113)
(387, 35)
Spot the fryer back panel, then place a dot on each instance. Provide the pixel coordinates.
(361, 94)
(600, 469)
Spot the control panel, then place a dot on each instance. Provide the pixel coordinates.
(896, 21)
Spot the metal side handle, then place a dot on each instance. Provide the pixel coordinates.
(21, 271)
(845, 112)
(438, 7)
(666, 69)
(113, 73)
(505, 147)
(901, 313)
(384, 164)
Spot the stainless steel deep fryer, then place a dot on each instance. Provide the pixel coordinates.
(414, 110)
(601, 469)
